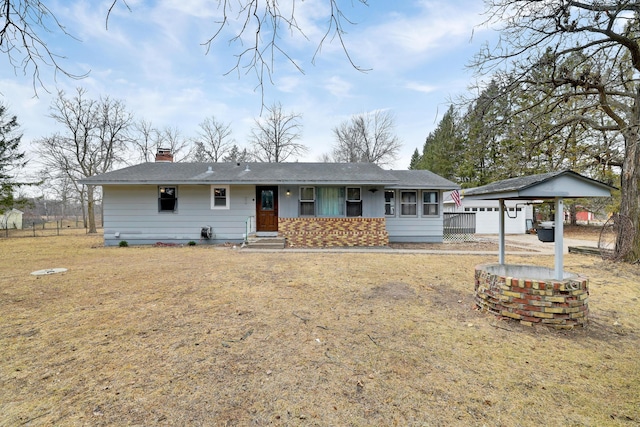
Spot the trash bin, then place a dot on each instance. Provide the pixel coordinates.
(546, 231)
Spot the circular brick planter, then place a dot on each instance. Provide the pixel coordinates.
(531, 295)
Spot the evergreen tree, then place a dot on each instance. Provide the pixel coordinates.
(415, 159)
(442, 149)
(11, 158)
(237, 155)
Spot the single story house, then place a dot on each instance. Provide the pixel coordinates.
(309, 204)
(11, 218)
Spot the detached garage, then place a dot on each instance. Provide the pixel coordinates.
(518, 219)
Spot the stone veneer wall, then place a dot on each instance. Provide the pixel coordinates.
(326, 232)
(562, 304)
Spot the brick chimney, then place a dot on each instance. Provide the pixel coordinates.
(164, 155)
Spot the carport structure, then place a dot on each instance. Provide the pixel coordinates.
(556, 186)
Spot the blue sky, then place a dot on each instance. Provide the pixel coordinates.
(153, 59)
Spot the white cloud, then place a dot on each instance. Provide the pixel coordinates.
(338, 87)
(288, 84)
(420, 87)
(404, 40)
(193, 8)
(89, 24)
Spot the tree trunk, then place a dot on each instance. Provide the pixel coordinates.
(83, 208)
(573, 214)
(90, 210)
(629, 203)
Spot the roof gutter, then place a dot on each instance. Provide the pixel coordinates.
(221, 182)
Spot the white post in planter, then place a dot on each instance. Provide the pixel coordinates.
(501, 233)
(558, 234)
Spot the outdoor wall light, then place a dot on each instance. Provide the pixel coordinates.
(288, 192)
(373, 190)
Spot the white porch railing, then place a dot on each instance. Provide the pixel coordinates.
(250, 227)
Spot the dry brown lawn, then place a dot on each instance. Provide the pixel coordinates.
(215, 336)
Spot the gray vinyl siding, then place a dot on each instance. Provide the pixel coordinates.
(425, 229)
(132, 211)
(288, 205)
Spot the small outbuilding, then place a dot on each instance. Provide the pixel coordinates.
(11, 219)
(518, 220)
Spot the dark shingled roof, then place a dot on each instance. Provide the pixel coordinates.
(269, 173)
(421, 179)
(512, 186)
(244, 173)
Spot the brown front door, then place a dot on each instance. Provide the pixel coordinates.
(267, 208)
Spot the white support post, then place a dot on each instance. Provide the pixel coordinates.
(501, 233)
(558, 235)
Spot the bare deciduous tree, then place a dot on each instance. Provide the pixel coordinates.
(57, 186)
(92, 142)
(213, 142)
(367, 137)
(260, 33)
(274, 136)
(22, 26)
(593, 51)
(147, 139)
(260, 28)
(144, 141)
(171, 138)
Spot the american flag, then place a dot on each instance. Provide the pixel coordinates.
(455, 195)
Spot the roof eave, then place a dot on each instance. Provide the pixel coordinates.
(494, 196)
(227, 182)
(396, 186)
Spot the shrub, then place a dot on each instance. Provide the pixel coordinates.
(191, 243)
(123, 243)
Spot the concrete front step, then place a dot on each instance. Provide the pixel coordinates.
(265, 243)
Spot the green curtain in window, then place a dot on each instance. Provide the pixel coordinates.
(330, 201)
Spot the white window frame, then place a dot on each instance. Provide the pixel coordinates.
(227, 197)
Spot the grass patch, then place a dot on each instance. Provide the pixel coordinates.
(216, 336)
